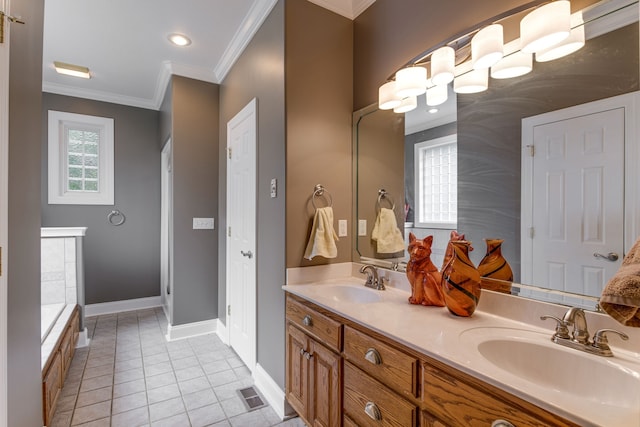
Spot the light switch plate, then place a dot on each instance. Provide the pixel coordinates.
(342, 228)
(203, 223)
(274, 187)
(362, 227)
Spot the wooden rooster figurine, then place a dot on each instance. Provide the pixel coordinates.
(423, 275)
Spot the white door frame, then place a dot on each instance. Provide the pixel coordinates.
(630, 103)
(166, 231)
(249, 109)
(4, 189)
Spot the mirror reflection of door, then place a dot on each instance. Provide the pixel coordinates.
(575, 196)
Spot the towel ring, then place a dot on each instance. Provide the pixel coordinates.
(113, 214)
(382, 194)
(318, 191)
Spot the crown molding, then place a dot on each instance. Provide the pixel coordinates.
(250, 25)
(98, 95)
(347, 8)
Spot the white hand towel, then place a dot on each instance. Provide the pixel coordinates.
(386, 233)
(322, 241)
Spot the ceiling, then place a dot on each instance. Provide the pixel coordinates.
(124, 43)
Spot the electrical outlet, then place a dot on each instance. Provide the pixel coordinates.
(274, 188)
(362, 227)
(203, 223)
(342, 228)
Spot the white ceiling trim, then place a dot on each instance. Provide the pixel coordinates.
(347, 8)
(98, 95)
(250, 25)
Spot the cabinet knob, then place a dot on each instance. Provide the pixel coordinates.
(308, 355)
(372, 411)
(302, 351)
(501, 423)
(373, 356)
(307, 320)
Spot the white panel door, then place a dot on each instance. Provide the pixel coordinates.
(578, 201)
(241, 234)
(4, 176)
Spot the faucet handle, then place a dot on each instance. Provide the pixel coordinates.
(601, 342)
(562, 331)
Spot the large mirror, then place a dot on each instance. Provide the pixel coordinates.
(485, 132)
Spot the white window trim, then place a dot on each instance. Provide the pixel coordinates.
(57, 160)
(416, 185)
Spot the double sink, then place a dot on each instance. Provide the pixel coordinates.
(589, 388)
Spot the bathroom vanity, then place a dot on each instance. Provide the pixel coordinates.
(356, 357)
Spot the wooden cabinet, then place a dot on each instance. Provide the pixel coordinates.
(314, 372)
(51, 386)
(339, 373)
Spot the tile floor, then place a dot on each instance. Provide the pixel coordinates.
(131, 376)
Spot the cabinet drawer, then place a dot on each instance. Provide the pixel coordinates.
(456, 402)
(317, 324)
(392, 367)
(369, 402)
(51, 385)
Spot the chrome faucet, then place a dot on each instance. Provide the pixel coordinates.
(579, 338)
(373, 281)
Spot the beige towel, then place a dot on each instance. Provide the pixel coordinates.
(621, 297)
(386, 233)
(322, 241)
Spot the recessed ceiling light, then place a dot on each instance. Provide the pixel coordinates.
(179, 39)
(72, 70)
(433, 110)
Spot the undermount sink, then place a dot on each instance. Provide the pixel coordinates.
(533, 358)
(353, 294)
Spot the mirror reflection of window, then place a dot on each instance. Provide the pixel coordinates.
(436, 171)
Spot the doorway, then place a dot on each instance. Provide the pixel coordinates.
(166, 232)
(578, 192)
(241, 234)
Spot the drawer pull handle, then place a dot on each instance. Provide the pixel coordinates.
(373, 356)
(307, 321)
(372, 411)
(302, 351)
(501, 423)
(308, 355)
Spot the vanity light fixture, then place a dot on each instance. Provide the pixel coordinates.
(436, 94)
(487, 46)
(473, 81)
(179, 39)
(574, 42)
(411, 81)
(443, 62)
(409, 103)
(545, 26)
(387, 98)
(514, 65)
(72, 70)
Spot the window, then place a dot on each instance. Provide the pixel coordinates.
(436, 172)
(80, 159)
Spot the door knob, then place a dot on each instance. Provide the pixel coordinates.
(248, 254)
(611, 256)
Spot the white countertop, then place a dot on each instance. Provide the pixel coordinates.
(436, 333)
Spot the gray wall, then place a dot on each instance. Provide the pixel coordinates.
(24, 380)
(164, 129)
(120, 262)
(489, 131)
(194, 142)
(259, 73)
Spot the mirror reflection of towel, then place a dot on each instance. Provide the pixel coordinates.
(386, 233)
(322, 240)
(621, 297)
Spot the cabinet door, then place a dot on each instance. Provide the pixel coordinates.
(326, 371)
(297, 383)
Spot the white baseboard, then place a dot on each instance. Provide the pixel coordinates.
(83, 339)
(121, 306)
(221, 331)
(272, 393)
(189, 330)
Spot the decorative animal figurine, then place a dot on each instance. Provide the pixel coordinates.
(423, 275)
